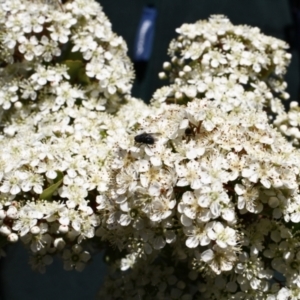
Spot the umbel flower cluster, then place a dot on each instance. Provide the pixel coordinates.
(193, 197)
(54, 55)
(57, 127)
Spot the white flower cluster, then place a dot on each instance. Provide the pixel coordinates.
(236, 66)
(56, 137)
(198, 192)
(52, 168)
(216, 190)
(60, 53)
(209, 184)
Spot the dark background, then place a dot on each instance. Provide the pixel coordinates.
(273, 17)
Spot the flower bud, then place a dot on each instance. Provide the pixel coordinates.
(166, 65)
(187, 69)
(59, 243)
(5, 230)
(13, 238)
(181, 73)
(63, 229)
(18, 105)
(178, 95)
(162, 75)
(35, 230)
(12, 212)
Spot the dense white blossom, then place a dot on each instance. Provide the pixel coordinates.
(235, 177)
(193, 197)
(57, 53)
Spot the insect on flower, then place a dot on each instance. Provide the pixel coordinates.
(145, 138)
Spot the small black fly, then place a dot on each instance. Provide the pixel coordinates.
(145, 138)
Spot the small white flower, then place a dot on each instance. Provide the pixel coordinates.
(75, 258)
(128, 262)
(224, 236)
(197, 235)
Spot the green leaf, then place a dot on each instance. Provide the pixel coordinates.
(76, 70)
(48, 192)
